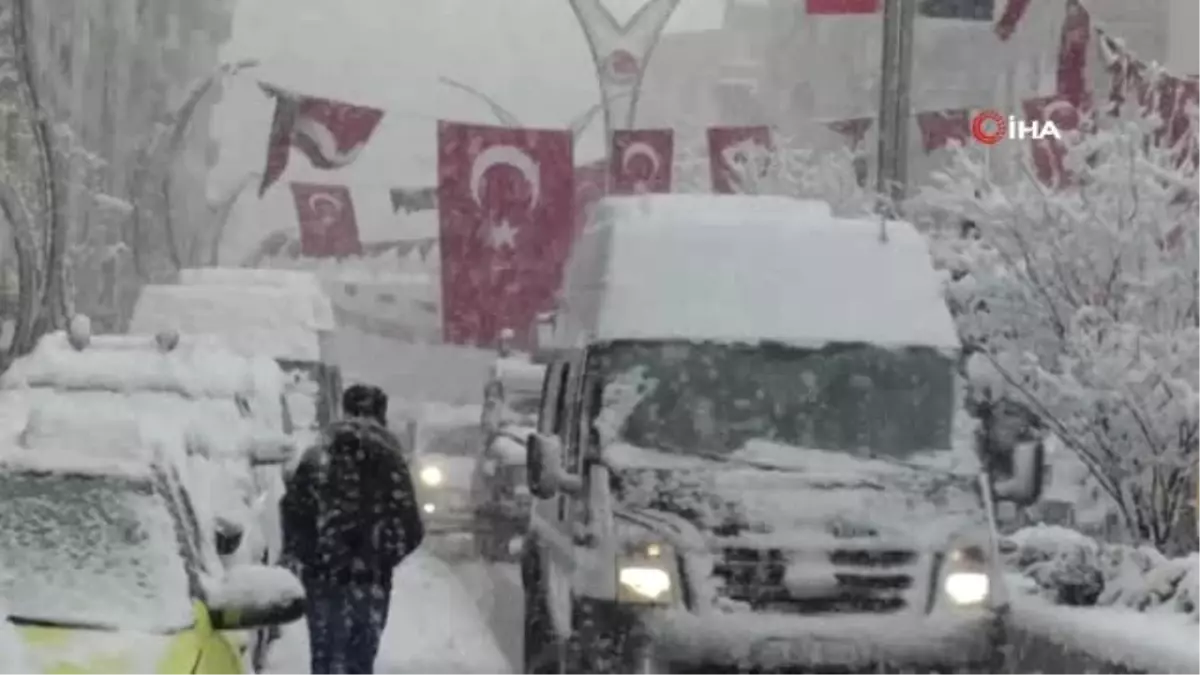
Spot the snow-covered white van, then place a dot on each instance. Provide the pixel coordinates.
(283, 314)
(751, 452)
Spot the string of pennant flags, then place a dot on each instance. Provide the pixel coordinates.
(510, 200)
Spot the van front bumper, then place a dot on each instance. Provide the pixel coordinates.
(753, 642)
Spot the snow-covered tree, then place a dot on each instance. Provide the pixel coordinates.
(1083, 303)
(830, 176)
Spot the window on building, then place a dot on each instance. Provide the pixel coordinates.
(969, 10)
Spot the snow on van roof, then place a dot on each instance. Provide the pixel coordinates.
(252, 320)
(749, 268)
(193, 370)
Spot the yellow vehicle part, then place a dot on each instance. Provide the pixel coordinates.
(199, 649)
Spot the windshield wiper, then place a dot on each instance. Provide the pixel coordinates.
(32, 622)
(57, 623)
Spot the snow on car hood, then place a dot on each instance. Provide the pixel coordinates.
(59, 650)
(13, 659)
(780, 494)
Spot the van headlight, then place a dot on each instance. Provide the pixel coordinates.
(647, 574)
(966, 581)
(967, 588)
(431, 476)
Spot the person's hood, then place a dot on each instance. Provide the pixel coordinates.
(76, 650)
(779, 494)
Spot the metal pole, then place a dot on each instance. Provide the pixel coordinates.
(901, 121)
(887, 95)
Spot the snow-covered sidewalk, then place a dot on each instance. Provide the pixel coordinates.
(1142, 642)
(434, 627)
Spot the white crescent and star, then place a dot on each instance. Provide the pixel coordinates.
(511, 156)
(641, 149)
(327, 216)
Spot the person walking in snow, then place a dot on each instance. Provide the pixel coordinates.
(349, 518)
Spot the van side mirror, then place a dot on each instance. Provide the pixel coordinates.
(544, 468)
(1024, 486)
(228, 536)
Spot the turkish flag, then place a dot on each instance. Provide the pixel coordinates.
(330, 133)
(939, 127)
(327, 224)
(590, 185)
(640, 161)
(1048, 153)
(506, 221)
(742, 145)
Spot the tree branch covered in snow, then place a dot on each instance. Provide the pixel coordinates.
(788, 170)
(1083, 303)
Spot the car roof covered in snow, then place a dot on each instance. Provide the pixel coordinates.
(86, 444)
(743, 268)
(74, 463)
(280, 322)
(126, 363)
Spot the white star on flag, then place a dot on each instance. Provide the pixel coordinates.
(501, 235)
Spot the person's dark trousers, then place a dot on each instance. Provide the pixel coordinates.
(345, 625)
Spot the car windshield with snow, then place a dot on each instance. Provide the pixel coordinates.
(91, 551)
(103, 569)
(709, 399)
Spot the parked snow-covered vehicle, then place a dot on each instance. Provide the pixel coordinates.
(751, 452)
(224, 412)
(444, 442)
(104, 568)
(282, 314)
(499, 486)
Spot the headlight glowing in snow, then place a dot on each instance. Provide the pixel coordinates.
(427, 508)
(650, 583)
(967, 588)
(431, 476)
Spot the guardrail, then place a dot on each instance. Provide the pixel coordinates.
(1046, 638)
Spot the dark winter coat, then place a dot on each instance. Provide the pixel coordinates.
(350, 514)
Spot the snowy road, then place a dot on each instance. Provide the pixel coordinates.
(498, 595)
(435, 626)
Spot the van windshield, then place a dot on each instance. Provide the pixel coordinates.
(712, 397)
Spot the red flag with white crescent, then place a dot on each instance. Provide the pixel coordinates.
(939, 127)
(506, 222)
(1049, 153)
(739, 145)
(330, 133)
(640, 161)
(328, 227)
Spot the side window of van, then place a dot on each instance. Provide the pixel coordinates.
(554, 392)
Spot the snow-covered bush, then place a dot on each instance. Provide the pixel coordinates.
(1069, 568)
(830, 176)
(1083, 303)
(787, 169)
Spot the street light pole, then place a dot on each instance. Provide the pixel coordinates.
(895, 84)
(503, 115)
